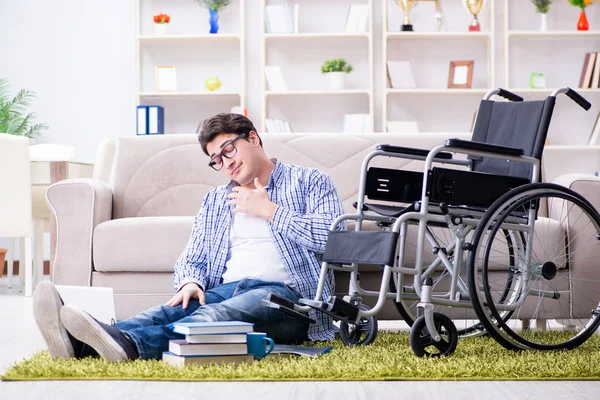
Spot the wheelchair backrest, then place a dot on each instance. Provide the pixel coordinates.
(521, 124)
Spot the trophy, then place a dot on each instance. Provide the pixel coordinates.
(406, 5)
(474, 7)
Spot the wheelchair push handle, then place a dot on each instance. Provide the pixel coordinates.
(509, 95)
(579, 99)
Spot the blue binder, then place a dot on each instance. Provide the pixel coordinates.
(150, 120)
(142, 120)
(156, 120)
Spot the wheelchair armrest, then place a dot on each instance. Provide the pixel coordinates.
(412, 151)
(490, 148)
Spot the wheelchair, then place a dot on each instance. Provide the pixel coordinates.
(475, 236)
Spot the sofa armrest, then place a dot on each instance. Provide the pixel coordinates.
(78, 205)
(585, 184)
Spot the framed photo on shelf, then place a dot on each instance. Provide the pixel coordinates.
(166, 78)
(461, 74)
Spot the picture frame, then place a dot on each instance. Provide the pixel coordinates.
(461, 74)
(166, 78)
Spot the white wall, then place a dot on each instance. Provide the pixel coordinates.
(78, 56)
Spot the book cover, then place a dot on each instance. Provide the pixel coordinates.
(181, 361)
(596, 74)
(275, 79)
(587, 79)
(217, 338)
(183, 348)
(584, 69)
(142, 120)
(194, 328)
(401, 75)
(304, 351)
(156, 120)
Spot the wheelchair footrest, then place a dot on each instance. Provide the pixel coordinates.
(338, 309)
(286, 306)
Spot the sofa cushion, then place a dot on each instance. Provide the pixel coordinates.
(148, 244)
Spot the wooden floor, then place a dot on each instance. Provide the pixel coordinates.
(19, 338)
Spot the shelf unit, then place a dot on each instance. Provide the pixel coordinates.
(558, 53)
(184, 46)
(429, 52)
(320, 37)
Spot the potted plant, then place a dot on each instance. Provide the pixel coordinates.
(161, 23)
(14, 118)
(582, 24)
(214, 6)
(336, 69)
(542, 7)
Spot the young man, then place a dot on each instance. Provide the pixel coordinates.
(260, 234)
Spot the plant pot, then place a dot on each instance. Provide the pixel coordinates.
(214, 21)
(337, 80)
(544, 24)
(2, 258)
(582, 24)
(161, 29)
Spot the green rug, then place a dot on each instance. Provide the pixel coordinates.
(389, 358)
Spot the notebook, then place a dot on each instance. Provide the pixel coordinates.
(99, 302)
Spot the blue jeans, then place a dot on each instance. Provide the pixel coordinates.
(234, 301)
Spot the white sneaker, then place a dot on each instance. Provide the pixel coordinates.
(46, 311)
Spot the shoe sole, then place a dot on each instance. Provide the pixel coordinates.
(46, 312)
(86, 329)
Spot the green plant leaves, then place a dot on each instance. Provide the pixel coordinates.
(14, 118)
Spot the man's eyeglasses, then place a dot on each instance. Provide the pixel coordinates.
(229, 150)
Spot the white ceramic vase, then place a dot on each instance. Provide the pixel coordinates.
(544, 25)
(337, 80)
(161, 29)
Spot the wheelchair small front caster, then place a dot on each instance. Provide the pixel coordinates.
(360, 334)
(422, 343)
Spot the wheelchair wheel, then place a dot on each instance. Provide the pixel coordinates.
(421, 342)
(361, 334)
(554, 234)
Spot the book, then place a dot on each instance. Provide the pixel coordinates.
(595, 132)
(183, 348)
(275, 79)
(304, 351)
(217, 338)
(358, 19)
(584, 69)
(587, 79)
(401, 75)
(402, 126)
(181, 361)
(195, 328)
(596, 74)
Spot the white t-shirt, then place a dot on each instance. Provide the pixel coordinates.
(252, 252)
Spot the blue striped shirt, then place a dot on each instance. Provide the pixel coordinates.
(307, 203)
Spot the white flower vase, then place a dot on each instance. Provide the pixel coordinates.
(337, 80)
(544, 25)
(161, 29)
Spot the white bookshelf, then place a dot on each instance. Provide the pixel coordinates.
(321, 36)
(196, 55)
(429, 51)
(558, 53)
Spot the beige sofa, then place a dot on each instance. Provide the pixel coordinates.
(128, 234)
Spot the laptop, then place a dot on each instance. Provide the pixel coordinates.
(99, 302)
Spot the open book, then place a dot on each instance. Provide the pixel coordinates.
(305, 351)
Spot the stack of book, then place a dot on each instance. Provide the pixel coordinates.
(590, 72)
(282, 18)
(209, 342)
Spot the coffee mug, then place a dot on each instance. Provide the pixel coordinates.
(259, 345)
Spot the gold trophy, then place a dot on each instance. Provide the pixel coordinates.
(474, 7)
(407, 5)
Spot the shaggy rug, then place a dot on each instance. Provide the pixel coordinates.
(389, 358)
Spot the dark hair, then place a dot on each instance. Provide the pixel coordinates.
(224, 123)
